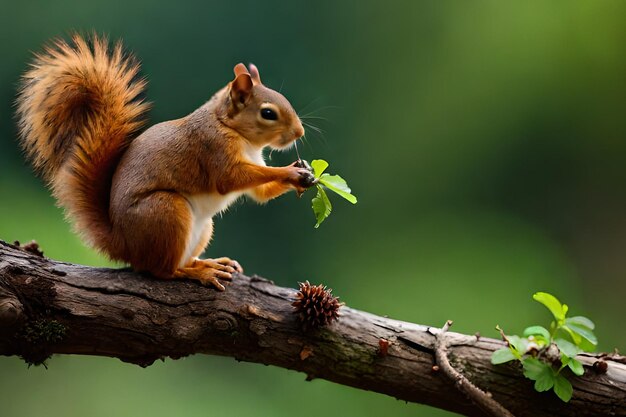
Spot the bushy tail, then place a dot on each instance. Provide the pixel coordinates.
(78, 108)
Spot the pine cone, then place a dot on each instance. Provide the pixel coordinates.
(315, 305)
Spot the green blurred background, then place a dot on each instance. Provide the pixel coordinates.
(485, 141)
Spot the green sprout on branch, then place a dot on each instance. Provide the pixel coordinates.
(544, 353)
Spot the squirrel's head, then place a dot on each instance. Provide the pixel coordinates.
(261, 115)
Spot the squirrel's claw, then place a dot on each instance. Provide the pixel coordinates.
(210, 271)
(236, 266)
(213, 281)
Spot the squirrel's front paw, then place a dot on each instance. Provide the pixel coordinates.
(301, 178)
(307, 178)
(301, 163)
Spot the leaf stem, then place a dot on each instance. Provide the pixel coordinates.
(295, 145)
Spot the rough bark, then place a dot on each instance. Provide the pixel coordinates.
(49, 307)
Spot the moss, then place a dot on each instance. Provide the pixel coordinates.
(37, 335)
(44, 331)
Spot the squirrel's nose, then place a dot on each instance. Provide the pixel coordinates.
(298, 131)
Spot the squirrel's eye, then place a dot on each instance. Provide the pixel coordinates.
(269, 114)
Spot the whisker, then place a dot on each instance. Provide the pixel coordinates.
(307, 117)
(310, 103)
(313, 117)
(305, 140)
(314, 128)
(320, 109)
(320, 132)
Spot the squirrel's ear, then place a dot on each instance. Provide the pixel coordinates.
(240, 89)
(254, 73)
(240, 69)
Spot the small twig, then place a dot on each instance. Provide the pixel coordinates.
(478, 396)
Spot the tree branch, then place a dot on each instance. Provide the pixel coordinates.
(49, 307)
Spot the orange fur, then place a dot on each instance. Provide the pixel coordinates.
(270, 190)
(149, 201)
(77, 108)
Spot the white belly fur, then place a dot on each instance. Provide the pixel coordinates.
(205, 206)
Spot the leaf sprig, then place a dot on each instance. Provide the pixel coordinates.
(545, 353)
(321, 203)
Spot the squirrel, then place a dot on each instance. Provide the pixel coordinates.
(148, 199)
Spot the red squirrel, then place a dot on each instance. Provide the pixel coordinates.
(149, 200)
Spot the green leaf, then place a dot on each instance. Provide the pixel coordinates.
(583, 332)
(562, 388)
(519, 344)
(502, 356)
(338, 185)
(567, 348)
(540, 372)
(537, 331)
(321, 206)
(533, 367)
(580, 321)
(319, 166)
(552, 303)
(576, 367)
(575, 336)
(587, 346)
(545, 381)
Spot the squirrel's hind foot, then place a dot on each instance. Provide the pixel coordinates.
(226, 262)
(210, 271)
